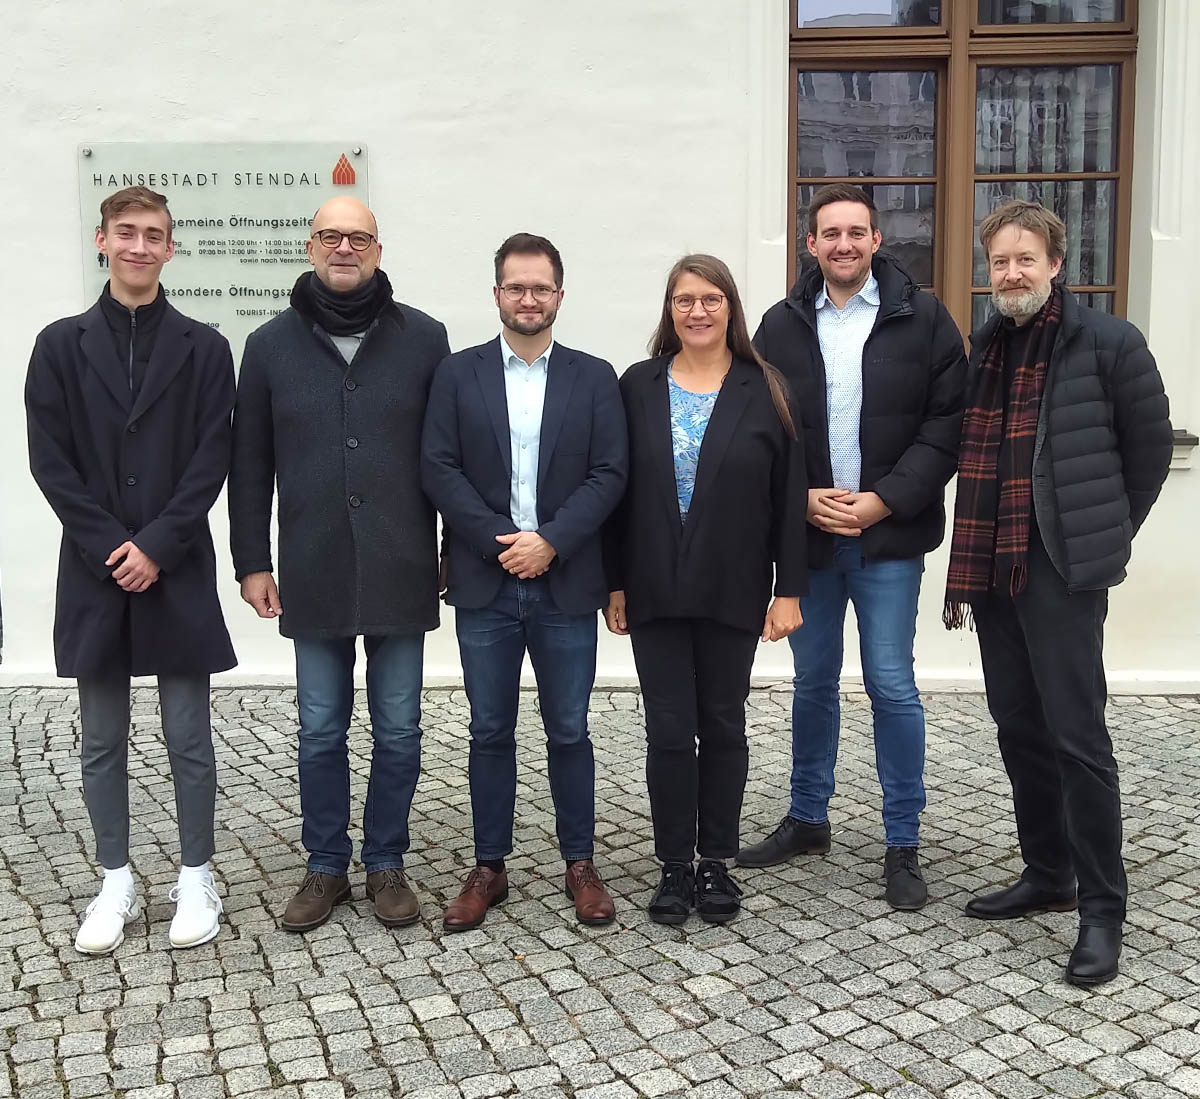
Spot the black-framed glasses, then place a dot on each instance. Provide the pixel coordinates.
(359, 240)
(541, 294)
(685, 303)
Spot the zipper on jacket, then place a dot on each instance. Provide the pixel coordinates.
(132, 338)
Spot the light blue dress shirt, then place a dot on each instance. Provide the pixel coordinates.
(842, 334)
(525, 392)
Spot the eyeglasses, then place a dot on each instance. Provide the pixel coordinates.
(685, 303)
(332, 238)
(541, 294)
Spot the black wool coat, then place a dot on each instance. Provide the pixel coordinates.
(1103, 443)
(146, 470)
(357, 536)
(745, 527)
(914, 369)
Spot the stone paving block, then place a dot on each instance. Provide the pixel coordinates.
(818, 988)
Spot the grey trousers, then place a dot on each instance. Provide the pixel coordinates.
(187, 726)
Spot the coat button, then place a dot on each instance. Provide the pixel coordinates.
(355, 501)
(131, 481)
(133, 429)
(352, 442)
(352, 386)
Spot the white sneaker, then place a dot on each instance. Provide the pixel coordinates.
(103, 927)
(197, 912)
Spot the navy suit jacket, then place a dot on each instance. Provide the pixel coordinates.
(466, 470)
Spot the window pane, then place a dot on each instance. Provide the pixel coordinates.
(982, 308)
(1046, 119)
(866, 123)
(1102, 302)
(906, 217)
(869, 13)
(1088, 208)
(1050, 11)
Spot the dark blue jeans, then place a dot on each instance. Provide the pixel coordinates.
(492, 642)
(325, 698)
(884, 594)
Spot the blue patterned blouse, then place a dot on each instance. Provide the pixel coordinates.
(690, 413)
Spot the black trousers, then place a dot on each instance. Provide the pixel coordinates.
(1043, 667)
(695, 676)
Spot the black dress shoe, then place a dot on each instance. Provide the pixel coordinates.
(792, 837)
(1021, 899)
(1094, 959)
(906, 889)
(676, 893)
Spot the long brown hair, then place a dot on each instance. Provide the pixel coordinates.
(665, 340)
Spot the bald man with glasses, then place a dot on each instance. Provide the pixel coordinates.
(330, 406)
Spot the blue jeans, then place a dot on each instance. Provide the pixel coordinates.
(492, 642)
(884, 594)
(325, 698)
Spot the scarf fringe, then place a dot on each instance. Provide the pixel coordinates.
(958, 616)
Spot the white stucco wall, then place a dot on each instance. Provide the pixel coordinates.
(628, 133)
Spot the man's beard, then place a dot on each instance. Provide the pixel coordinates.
(1021, 305)
(514, 322)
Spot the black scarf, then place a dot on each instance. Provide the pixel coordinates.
(345, 314)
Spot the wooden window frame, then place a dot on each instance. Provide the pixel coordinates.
(955, 50)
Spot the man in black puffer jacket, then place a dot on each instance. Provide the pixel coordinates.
(876, 369)
(1065, 446)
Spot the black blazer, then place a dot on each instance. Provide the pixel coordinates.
(146, 470)
(747, 511)
(466, 469)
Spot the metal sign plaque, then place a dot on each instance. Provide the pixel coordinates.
(241, 211)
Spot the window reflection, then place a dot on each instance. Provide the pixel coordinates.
(861, 123)
(1050, 11)
(1046, 119)
(868, 13)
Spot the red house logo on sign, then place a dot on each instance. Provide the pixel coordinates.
(343, 173)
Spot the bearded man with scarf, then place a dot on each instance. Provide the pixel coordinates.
(1065, 446)
(330, 406)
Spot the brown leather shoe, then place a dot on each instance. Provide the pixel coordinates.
(396, 905)
(593, 903)
(482, 889)
(314, 902)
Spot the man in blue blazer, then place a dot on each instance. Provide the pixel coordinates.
(524, 454)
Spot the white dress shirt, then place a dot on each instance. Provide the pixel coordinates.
(842, 334)
(525, 391)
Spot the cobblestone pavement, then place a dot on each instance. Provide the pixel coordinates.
(818, 989)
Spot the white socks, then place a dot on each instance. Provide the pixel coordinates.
(201, 873)
(121, 878)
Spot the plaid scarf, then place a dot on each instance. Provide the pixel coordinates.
(990, 542)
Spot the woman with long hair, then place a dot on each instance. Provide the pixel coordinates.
(713, 512)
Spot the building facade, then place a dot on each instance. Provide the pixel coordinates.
(630, 135)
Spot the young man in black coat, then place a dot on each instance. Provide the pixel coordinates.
(128, 408)
(1065, 446)
(877, 369)
(330, 403)
(525, 457)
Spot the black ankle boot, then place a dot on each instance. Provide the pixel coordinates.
(1095, 957)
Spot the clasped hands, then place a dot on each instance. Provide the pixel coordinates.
(528, 554)
(839, 511)
(136, 572)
